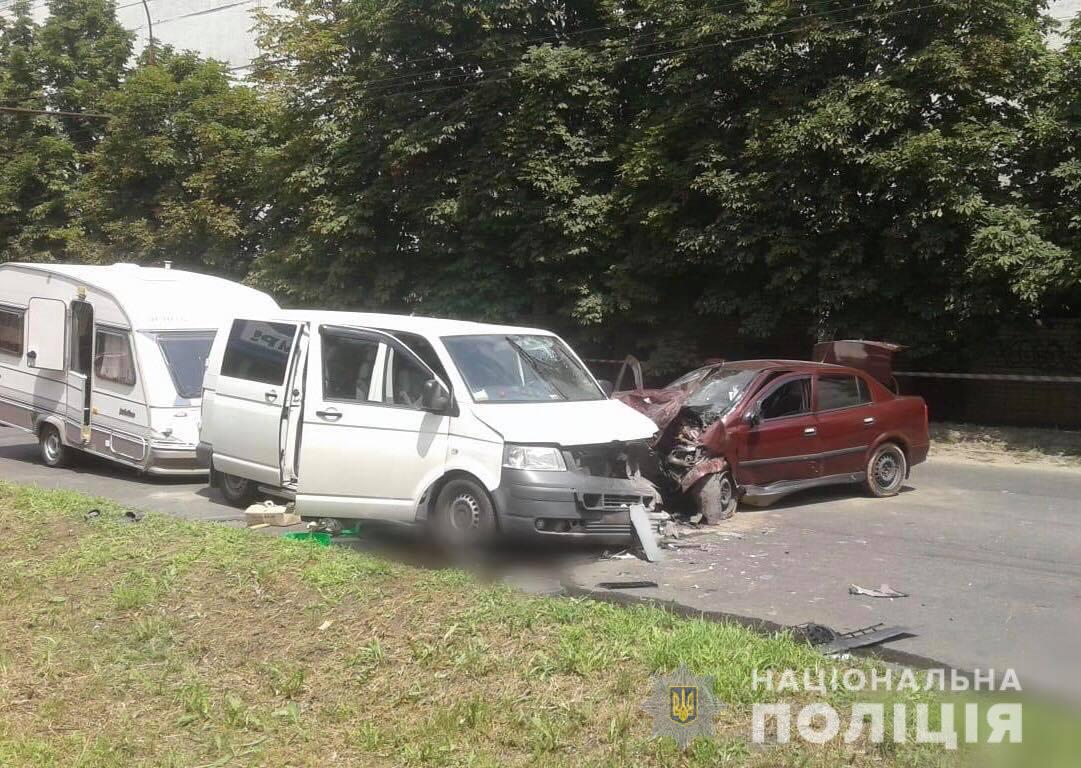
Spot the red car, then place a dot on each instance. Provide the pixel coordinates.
(760, 429)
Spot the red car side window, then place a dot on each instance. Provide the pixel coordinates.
(835, 392)
(791, 398)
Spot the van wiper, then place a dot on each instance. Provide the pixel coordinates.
(536, 365)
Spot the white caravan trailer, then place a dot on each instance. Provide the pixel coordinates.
(110, 359)
(470, 426)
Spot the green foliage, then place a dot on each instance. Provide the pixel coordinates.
(39, 160)
(177, 174)
(665, 177)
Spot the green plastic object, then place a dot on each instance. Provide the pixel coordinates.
(319, 537)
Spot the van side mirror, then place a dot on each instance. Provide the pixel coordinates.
(752, 418)
(607, 387)
(435, 397)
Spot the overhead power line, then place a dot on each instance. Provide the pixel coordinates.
(676, 51)
(640, 50)
(56, 113)
(452, 71)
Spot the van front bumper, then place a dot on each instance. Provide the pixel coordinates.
(568, 505)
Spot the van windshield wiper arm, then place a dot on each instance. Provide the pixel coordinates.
(535, 364)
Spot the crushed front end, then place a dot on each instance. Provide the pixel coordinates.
(589, 497)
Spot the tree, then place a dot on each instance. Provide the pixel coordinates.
(83, 52)
(39, 163)
(436, 157)
(177, 173)
(1051, 178)
(844, 166)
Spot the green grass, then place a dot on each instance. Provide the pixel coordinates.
(165, 643)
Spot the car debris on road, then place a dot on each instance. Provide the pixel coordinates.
(883, 591)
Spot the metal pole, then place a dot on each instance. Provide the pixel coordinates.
(150, 32)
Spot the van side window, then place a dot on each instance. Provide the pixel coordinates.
(424, 350)
(112, 357)
(258, 351)
(403, 382)
(792, 398)
(348, 364)
(11, 331)
(840, 392)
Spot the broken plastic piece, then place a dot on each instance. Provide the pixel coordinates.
(883, 591)
(644, 531)
(827, 640)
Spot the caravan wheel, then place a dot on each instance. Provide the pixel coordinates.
(53, 451)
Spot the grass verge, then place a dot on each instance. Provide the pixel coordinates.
(165, 643)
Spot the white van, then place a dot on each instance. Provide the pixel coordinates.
(110, 359)
(474, 427)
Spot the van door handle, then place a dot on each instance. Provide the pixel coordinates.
(330, 414)
(869, 420)
(810, 431)
(271, 396)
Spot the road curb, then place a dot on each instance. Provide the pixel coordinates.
(762, 627)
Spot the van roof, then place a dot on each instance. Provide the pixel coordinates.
(431, 326)
(156, 298)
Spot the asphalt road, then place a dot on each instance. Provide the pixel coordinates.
(990, 556)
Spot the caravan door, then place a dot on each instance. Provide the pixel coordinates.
(251, 401)
(80, 366)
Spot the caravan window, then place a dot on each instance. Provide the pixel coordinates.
(185, 355)
(258, 351)
(112, 357)
(11, 331)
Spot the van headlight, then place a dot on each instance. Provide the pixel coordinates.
(537, 457)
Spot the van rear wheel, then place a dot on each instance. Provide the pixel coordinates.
(463, 514)
(238, 491)
(53, 451)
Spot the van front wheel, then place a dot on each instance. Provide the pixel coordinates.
(238, 491)
(463, 514)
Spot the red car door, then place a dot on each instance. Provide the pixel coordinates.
(847, 418)
(782, 443)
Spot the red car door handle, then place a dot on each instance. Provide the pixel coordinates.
(869, 420)
(810, 431)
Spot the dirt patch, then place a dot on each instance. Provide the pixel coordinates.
(1006, 445)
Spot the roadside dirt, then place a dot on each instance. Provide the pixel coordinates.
(1006, 445)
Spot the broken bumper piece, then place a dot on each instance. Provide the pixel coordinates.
(569, 505)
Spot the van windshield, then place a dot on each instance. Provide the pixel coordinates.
(520, 369)
(185, 355)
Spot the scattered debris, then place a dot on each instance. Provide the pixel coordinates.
(627, 584)
(883, 591)
(624, 555)
(91, 514)
(828, 641)
(270, 513)
(644, 531)
(134, 515)
(326, 625)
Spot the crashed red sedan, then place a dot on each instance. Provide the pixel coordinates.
(757, 430)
